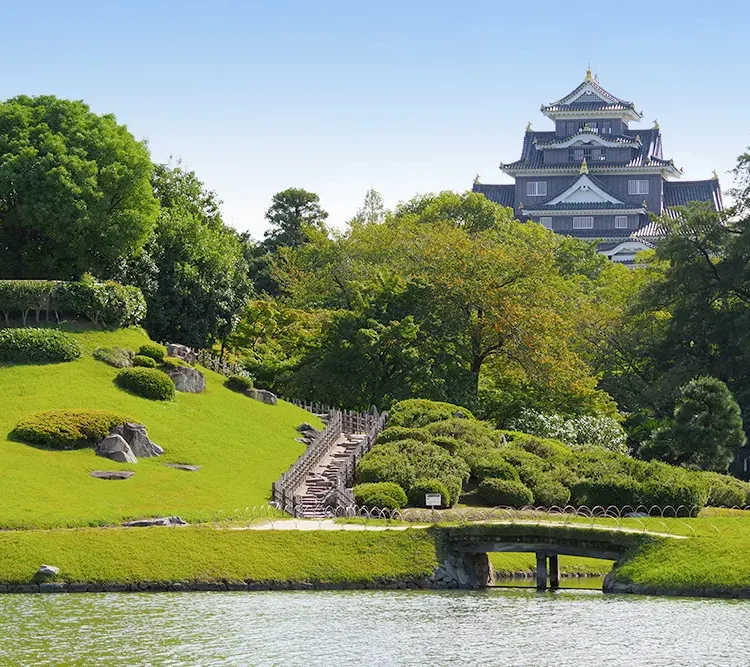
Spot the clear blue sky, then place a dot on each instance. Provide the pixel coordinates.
(405, 96)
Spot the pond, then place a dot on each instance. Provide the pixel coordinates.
(492, 627)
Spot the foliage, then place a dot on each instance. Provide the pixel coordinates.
(67, 429)
(193, 270)
(505, 492)
(724, 491)
(403, 433)
(37, 346)
(484, 464)
(114, 356)
(108, 304)
(170, 363)
(147, 383)
(241, 383)
(550, 493)
(706, 430)
(613, 489)
(144, 361)
(75, 190)
(368, 494)
(423, 486)
(23, 296)
(417, 412)
(154, 350)
(469, 432)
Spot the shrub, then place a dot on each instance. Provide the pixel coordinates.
(381, 501)
(146, 382)
(418, 412)
(505, 492)
(144, 361)
(725, 491)
(37, 345)
(393, 433)
(530, 467)
(114, 356)
(544, 448)
(67, 429)
(171, 363)
(364, 493)
(25, 295)
(675, 487)
(451, 445)
(550, 493)
(614, 489)
(108, 304)
(154, 350)
(423, 486)
(484, 463)
(239, 383)
(470, 432)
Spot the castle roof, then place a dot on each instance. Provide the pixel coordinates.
(680, 193)
(590, 98)
(505, 195)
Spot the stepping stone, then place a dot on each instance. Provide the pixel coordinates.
(183, 466)
(112, 474)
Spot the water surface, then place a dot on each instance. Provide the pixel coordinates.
(494, 627)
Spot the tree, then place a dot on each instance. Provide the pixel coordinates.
(372, 211)
(292, 214)
(75, 191)
(193, 271)
(706, 430)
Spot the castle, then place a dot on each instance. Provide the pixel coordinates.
(595, 177)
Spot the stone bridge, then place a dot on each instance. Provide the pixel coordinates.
(464, 562)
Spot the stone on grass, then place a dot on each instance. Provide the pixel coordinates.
(187, 379)
(156, 521)
(304, 426)
(112, 474)
(262, 395)
(183, 466)
(47, 571)
(115, 447)
(137, 437)
(181, 351)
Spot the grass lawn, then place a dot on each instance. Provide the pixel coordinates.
(124, 555)
(242, 445)
(513, 564)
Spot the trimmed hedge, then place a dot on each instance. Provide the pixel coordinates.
(144, 361)
(366, 495)
(240, 383)
(505, 492)
(724, 491)
(114, 356)
(23, 296)
(484, 464)
(395, 433)
(424, 486)
(418, 412)
(154, 350)
(67, 429)
(170, 363)
(471, 432)
(550, 493)
(108, 304)
(146, 382)
(37, 346)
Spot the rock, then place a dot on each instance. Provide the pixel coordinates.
(137, 437)
(304, 427)
(187, 379)
(112, 474)
(183, 466)
(157, 521)
(181, 351)
(115, 447)
(53, 587)
(47, 571)
(262, 395)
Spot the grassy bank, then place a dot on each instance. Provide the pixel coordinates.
(122, 555)
(522, 564)
(241, 444)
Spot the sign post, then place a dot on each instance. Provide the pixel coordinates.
(433, 500)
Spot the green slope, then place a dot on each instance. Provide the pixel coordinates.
(241, 444)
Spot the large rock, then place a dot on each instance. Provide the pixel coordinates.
(137, 437)
(112, 474)
(115, 447)
(158, 521)
(47, 571)
(262, 395)
(187, 379)
(181, 351)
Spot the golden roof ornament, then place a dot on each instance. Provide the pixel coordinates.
(656, 123)
(715, 176)
(476, 179)
(584, 167)
(528, 126)
(589, 75)
(638, 138)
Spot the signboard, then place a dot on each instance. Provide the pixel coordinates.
(433, 499)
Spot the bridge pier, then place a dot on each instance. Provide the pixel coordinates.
(541, 571)
(547, 566)
(554, 571)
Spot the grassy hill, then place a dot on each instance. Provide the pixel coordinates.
(241, 444)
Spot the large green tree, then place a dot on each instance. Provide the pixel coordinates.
(75, 190)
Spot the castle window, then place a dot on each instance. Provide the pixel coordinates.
(547, 222)
(621, 221)
(583, 222)
(591, 154)
(606, 127)
(637, 187)
(536, 189)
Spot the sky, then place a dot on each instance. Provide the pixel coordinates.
(404, 96)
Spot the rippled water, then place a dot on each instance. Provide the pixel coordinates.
(372, 628)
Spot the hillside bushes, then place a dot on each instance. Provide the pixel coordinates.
(147, 383)
(37, 346)
(114, 356)
(154, 351)
(143, 361)
(67, 429)
(240, 383)
(379, 495)
(417, 412)
(23, 296)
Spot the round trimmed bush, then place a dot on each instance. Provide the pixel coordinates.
(468, 431)
(37, 346)
(146, 382)
(418, 412)
(144, 361)
(614, 489)
(423, 486)
(725, 491)
(170, 363)
(114, 356)
(241, 383)
(381, 501)
(449, 444)
(505, 492)
(67, 429)
(674, 492)
(393, 433)
(550, 493)
(154, 350)
(364, 494)
(487, 463)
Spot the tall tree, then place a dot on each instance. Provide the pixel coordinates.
(75, 191)
(372, 211)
